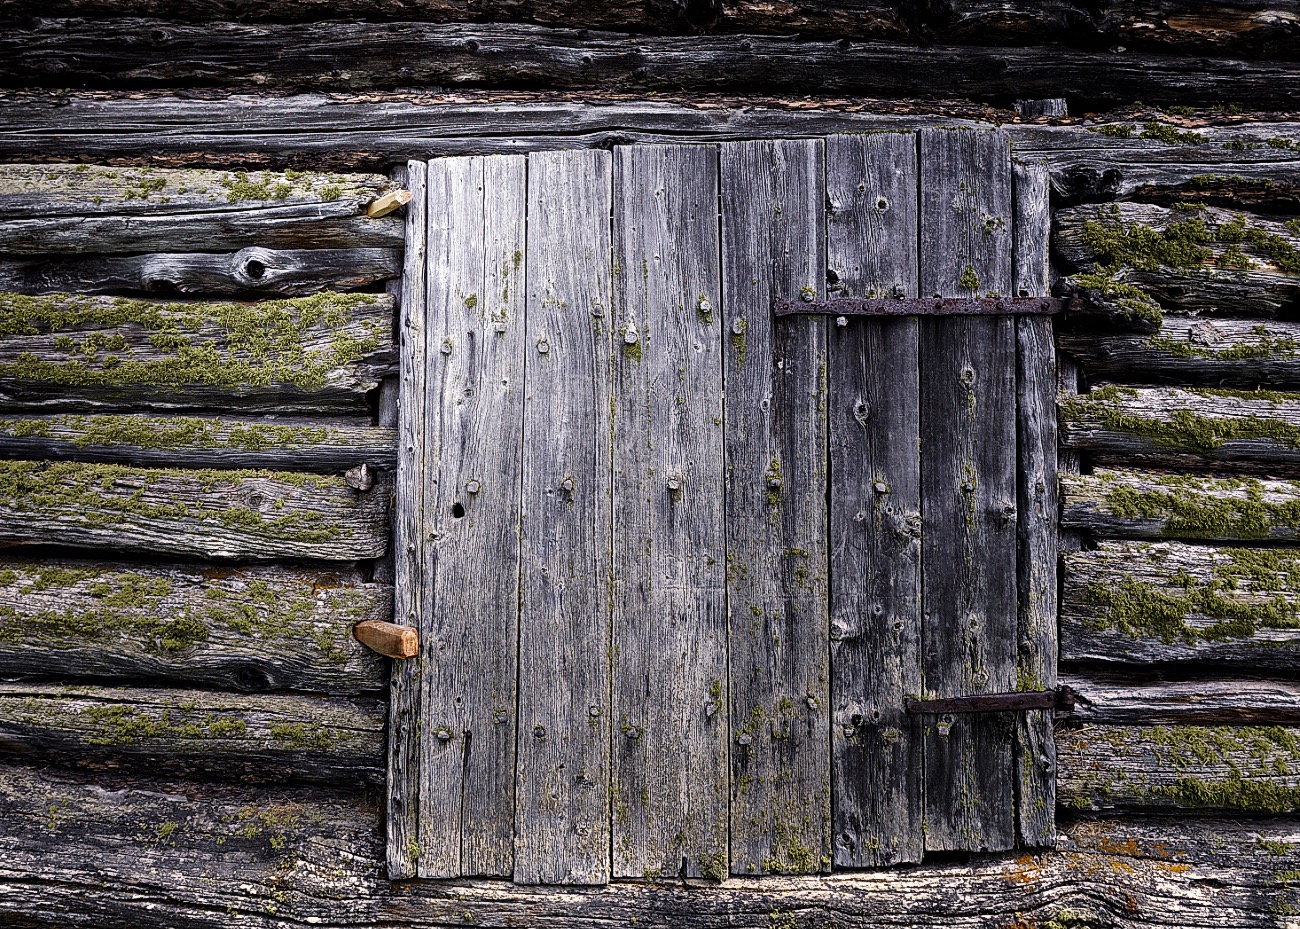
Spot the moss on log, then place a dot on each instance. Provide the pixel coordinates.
(322, 352)
(249, 515)
(244, 629)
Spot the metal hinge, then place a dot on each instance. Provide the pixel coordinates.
(1059, 698)
(922, 306)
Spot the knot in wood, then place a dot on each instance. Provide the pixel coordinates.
(444, 735)
(472, 487)
(967, 376)
(539, 732)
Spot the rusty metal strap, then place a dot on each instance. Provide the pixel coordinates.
(1061, 698)
(923, 306)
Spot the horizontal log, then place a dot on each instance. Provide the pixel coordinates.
(1180, 769)
(243, 629)
(138, 853)
(1243, 353)
(145, 53)
(200, 442)
(1169, 603)
(247, 515)
(322, 353)
(1197, 258)
(195, 733)
(1248, 431)
(1241, 702)
(1145, 505)
(249, 272)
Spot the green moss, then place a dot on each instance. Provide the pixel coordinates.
(1181, 244)
(1235, 792)
(738, 339)
(240, 187)
(1264, 346)
(1182, 428)
(168, 432)
(1280, 142)
(1172, 135)
(300, 735)
(1205, 507)
(774, 481)
(1280, 251)
(1132, 301)
(1275, 848)
(969, 280)
(1114, 130)
(121, 724)
(714, 866)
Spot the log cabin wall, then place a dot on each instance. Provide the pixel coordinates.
(196, 439)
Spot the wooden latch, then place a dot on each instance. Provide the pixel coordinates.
(388, 638)
(919, 306)
(1059, 698)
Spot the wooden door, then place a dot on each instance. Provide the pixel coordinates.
(676, 562)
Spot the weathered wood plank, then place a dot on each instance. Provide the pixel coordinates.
(323, 352)
(562, 819)
(139, 853)
(195, 733)
(200, 442)
(1203, 702)
(247, 515)
(1257, 432)
(109, 53)
(473, 419)
(404, 700)
(671, 766)
(875, 508)
(249, 272)
(1164, 602)
(1180, 769)
(1036, 508)
(247, 629)
(773, 244)
(968, 488)
(1243, 353)
(1147, 505)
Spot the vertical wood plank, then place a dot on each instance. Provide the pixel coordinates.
(773, 236)
(562, 816)
(875, 505)
(968, 449)
(1035, 749)
(670, 762)
(474, 423)
(404, 688)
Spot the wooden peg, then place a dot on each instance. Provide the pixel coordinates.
(388, 638)
(387, 203)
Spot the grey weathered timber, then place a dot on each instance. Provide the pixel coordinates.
(670, 760)
(1131, 603)
(58, 52)
(1186, 428)
(195, 733)
(1243, 353)
(1153, 505)
(875, 505)
(1036, 509)
(1244, 770)
(563, 804)
(473, 427)
(404, 724)
(1202, 702)
(200, 441)
(250, 272)
(773, 244)
(246, 515)
(244, 629)
(968, 488)
(307, 354)
(137, 852)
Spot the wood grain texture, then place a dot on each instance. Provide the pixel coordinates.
(250, 272)
(875, 505)
(1037, 510)
(245, 515)
(1192, 350)
(1114, 700)
(111, 53)
(243, 629)
(1153, 505)
(1167, 603)
(308, 354)
(968, 487)
(562, 824)
(671, 767)
(1186, 428)
(195, 733)
(773, 244)
(137, 852)
(200, 441)
(404, 730)
(473, 421)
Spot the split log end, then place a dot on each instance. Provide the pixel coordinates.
(387, 638)
(388, 203)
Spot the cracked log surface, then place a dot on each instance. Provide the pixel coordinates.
(250, 628)
(145, 854)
